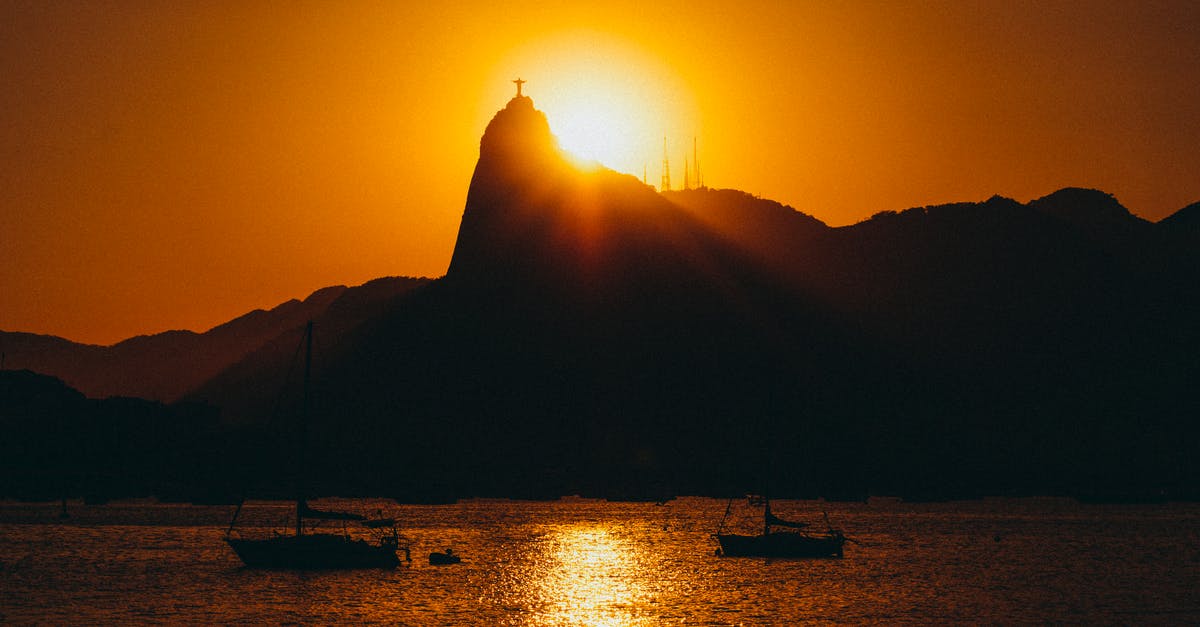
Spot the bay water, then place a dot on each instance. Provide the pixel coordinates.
(591, 562)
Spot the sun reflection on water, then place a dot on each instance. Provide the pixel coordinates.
(591, 579)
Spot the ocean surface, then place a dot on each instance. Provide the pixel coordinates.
(590, 562)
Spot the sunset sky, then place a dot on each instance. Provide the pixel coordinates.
(168, 165)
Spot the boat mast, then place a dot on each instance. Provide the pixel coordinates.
(302, 431)
(728, 505)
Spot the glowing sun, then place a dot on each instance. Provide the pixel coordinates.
(606, 99)
(598, 127)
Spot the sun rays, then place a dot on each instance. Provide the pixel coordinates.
(608, 101)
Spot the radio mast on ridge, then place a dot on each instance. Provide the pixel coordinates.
(666, 172)
(696, 164)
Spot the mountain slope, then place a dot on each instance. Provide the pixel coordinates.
(166, 365)
(592, 336)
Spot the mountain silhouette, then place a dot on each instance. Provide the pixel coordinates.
(1183, 226)
(594, 336)
(165, 366)
(582, 317)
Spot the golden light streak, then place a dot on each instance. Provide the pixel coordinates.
(592, 580)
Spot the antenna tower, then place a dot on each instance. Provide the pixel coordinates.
(666, 170)
(696, 164)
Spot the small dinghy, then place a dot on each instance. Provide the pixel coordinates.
(444, 558)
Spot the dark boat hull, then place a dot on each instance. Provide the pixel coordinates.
(443, 559)
(313, 552)
(781, 544)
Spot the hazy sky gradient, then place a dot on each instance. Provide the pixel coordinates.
(173, 165)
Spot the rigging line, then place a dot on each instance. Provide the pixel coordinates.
(728, 505)
(287, 378)
(272, 422)
(241, 502)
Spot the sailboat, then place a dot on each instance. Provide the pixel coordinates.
(306, 549)
(793, 541)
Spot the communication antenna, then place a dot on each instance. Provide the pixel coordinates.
(686, 172)
(696, 164)
(666, 169)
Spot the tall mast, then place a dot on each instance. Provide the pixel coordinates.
(666, 169)
(302, 431)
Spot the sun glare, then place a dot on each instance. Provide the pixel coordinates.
(607, 100)
(596, 129)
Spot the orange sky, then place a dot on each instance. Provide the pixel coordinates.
(173, 165)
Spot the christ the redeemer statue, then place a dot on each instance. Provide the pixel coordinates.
(519, 82)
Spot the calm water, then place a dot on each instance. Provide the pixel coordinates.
(583, 562)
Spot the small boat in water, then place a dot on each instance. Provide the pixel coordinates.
(306, 549)
(444, 558)
(795, 541)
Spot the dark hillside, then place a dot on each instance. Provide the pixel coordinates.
(593, 336)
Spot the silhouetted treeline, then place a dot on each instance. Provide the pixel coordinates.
(59, 444)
